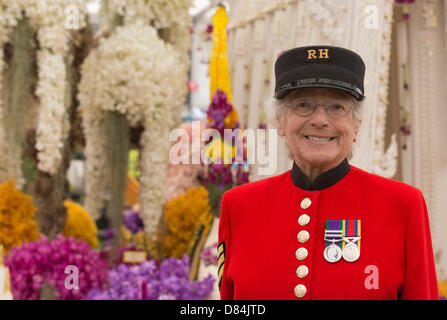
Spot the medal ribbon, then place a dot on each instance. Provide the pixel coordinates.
(351, 229)
(334, 231)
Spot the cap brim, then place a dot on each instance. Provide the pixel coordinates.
(281, 94)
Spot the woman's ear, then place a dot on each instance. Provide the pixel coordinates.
(280, 126)
(356, 129)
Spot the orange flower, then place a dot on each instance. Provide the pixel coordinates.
(79, 224)
(17, 212)
(183, 215)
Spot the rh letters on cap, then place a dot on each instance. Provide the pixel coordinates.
(318, 54)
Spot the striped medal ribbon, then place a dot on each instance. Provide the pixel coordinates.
(351, 239)
(333, 237)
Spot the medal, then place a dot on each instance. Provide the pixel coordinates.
(351, 252)
(351, 240)
(332, 253)
(333, 236)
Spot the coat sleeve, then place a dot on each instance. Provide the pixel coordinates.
(224, 250)
(420, 274)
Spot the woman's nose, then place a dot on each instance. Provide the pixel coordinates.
(319, 118)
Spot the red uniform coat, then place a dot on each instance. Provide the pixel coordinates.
(258, 239)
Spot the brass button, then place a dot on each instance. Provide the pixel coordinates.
(302, 271)
(305, 203)
(303, 236)
(300, 291)
(304, 219)
(301, 253)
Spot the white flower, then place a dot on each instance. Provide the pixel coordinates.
(135, 73)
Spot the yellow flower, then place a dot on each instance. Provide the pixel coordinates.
(227, 151)
(442, 287)
(17, 212)
(219, 71)
(183, 215)
(230, 119)
(79, 224)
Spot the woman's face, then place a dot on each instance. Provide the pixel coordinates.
(319, 140)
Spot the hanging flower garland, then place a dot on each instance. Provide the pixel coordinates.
(48, 19)
(133, 73)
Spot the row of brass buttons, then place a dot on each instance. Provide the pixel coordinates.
(301, 253)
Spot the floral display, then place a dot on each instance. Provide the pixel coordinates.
(17, 212)
(35, 263)
(183, 215)
(221, 114)
(53, 35)
(132, 221)
(209, 255)
(107, 236)
(181, 177)
(230, 168)
(79, 224)
(121, 76)
(168, 281)
(169, 15)
(142, 241)
(219, 73)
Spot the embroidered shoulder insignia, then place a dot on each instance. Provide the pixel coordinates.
(220, 261)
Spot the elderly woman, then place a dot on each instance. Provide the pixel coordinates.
(324, 229)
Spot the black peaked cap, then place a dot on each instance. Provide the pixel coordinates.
(320, 67)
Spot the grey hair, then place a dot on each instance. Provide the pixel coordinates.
(275, 111)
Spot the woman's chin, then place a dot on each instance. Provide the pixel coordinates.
(319, 160)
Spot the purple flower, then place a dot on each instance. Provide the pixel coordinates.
(34, 263)
(167, 281)
(132, 221)
(217, 111)
(223, 175)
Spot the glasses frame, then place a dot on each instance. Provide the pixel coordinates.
(293, 107)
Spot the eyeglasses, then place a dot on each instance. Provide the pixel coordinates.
(305, 109)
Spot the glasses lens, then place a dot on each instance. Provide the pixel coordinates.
(337, 110)
(303, 108)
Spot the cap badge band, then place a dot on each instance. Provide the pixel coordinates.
(318, 54)
(342, 239)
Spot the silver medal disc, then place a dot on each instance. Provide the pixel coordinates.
(351, 252)
(332, 253)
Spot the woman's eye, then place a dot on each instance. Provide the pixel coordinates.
(303, 105)
(339, 107)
